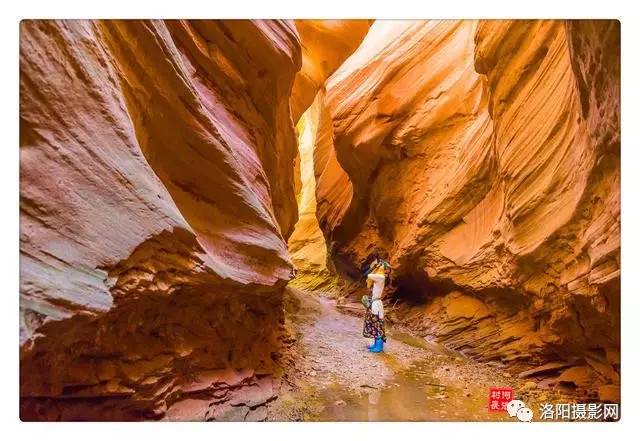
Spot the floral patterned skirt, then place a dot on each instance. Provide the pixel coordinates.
(373, 326)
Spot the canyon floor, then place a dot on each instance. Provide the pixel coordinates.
(334, 378)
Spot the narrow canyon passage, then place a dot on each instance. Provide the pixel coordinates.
(198, 199)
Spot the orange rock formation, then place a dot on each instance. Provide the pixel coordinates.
(161, 182)
(325, 46)
(314, 271)
(484, 159)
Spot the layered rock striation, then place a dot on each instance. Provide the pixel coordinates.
(156, 198)
(165, 200)
(314, 270)
(326, 45)
(483, 159)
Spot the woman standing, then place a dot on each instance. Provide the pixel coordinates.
(374, 316)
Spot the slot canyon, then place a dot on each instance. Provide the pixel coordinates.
(198, 197)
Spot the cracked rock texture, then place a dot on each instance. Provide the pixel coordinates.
(483, 159)
(156, 198)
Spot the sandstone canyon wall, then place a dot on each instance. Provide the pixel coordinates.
(326, 45)
(164, 200)
(156, 198)
(483, 159)
(307, 247)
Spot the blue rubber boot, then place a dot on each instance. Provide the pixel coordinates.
(372, 345)
(377, 346)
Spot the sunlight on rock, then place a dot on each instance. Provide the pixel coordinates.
(307, 244)
(200, 199)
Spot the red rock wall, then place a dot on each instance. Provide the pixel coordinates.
(483, 158)
(156, 199)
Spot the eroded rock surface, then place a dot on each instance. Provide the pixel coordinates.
(156, 199)
(308, 249)
(325, 46)
(161, 184)
(483, 158)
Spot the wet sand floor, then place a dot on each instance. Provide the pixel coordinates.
(336, 379)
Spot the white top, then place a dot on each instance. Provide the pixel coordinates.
(376, 294)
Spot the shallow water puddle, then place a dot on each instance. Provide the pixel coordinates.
(413, 394)
(413, 380)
